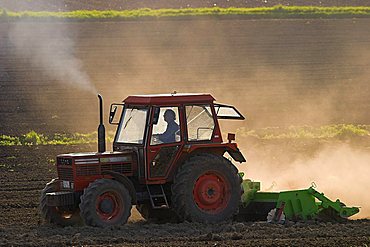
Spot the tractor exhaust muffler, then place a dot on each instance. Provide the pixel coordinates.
(101, 128)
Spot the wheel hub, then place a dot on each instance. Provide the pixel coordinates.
(210, 192)
(109, 206)
(106, 206)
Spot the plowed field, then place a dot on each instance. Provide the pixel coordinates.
(277, 72)
(25, 170)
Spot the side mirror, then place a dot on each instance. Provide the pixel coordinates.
(156, 115)
(230, 137)
(112, 114)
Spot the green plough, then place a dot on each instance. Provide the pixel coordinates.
(294, 205)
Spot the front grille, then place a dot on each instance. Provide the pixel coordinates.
(95, 169)
(65, 173)
(120, 168)
(87, 170)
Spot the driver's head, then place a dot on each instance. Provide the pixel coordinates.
(169, 115)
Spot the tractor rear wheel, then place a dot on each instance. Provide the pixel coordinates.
(206, 189)
(57, 215)
(105, 202)
(159, 216)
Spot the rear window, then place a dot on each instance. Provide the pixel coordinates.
(227, 112)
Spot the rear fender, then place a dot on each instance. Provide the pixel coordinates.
(126, 182)
(230, 148)
(236, 155)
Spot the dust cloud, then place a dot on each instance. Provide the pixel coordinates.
(294, 72)
(339, 171)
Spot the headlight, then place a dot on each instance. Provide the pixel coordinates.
(67, 185)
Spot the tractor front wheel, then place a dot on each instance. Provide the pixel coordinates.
(105, 202)
(57, 215)
(206, 189)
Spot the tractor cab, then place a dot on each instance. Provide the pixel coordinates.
(159, 128)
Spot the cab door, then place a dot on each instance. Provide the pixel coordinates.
(165, 142)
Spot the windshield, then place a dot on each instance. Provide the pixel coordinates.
(132, 127)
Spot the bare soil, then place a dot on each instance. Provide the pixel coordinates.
(25, 170)
(276, 72)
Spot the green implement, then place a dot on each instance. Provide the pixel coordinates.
(294, 205)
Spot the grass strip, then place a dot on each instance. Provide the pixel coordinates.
(34, 138)
(279, 12)
(337, 132)
(334, 132)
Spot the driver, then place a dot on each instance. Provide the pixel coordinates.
(172, 127)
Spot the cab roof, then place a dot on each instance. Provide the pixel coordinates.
(175, 98)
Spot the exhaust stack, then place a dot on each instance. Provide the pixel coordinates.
(101, 128)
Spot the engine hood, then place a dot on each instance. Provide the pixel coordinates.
(94, 157)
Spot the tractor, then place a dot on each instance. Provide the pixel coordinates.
(168, 160)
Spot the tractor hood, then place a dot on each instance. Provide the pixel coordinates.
(93, 154)
(82, 168)
(91, 158)
(94, 157)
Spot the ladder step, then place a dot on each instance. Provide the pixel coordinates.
(154, 197)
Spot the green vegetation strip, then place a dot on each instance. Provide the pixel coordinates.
(337, 132)
(34, 138)
(263, 12)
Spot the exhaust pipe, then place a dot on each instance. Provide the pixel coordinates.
(101, 128)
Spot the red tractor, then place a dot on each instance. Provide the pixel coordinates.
(167, 159)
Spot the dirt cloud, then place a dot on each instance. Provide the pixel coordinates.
(340, 171)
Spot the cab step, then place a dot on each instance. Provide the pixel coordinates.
(157, 196)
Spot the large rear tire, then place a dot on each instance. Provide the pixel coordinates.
(159, 216)
(206, 189)
(105, 202)
(57, 215)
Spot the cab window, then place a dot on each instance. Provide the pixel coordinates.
(167, 127)
(200, 123)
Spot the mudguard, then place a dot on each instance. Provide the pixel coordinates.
(125, 181)
(236, 155)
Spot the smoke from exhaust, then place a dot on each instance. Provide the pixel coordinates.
(50, 49)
